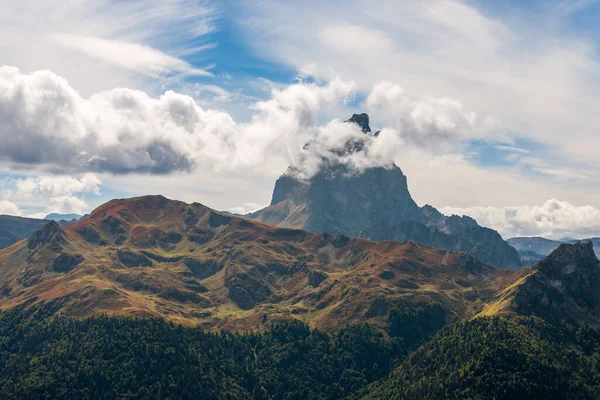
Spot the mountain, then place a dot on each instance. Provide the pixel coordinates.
(63, 217)
(538, 338)
(376, 204)
(13, 229)
(321, 315)
(536, 244)
(536, 248)
(563, 286)
(193, 265)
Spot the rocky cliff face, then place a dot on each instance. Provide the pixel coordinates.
(566, 284)
(376, 204)
(563, 286)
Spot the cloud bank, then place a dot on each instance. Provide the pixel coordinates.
(126, 131)
(554, 219)
(49, 126)
(62, 194)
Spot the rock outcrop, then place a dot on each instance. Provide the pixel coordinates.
(563, 286)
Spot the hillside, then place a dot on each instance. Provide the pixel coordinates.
(375, 204)
(538, 338)
(13, 229)
(196, 266)
(563, 286)
(323, 316)
(123, 358)
(498, 358)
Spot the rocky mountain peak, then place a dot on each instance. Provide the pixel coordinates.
(361, 120)
(375, 203)
(49, 233)
(564, 285)
(569, 259)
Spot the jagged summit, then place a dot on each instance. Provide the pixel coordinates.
(50, 233)
(375, 204)
(568, 259)
(564, 285)
(361, 120)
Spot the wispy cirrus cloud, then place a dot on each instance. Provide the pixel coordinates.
(130, 56)
(101, 44)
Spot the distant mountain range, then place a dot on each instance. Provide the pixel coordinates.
(376, 204)
(533, 249)
(63, 217)
(13, 229)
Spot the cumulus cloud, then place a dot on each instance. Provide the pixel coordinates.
(439, 126)
(54, 186)
(63, 194)
(553, 219)
(8, 208)
(246, 208)
(342, 143)
(127, 55)
(127, 131)
(431, 122)
(123, 130)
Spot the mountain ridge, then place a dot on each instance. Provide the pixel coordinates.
(196, 266)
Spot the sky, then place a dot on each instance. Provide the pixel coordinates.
(489, 108)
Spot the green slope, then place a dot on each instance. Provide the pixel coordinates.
(499, 358)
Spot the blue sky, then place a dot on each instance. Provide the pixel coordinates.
(488, 107)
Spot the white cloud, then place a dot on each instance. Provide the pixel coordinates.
(246, 208)
(429, 122)
(61, 194)
(354, 39)
(553, 219)
(123, 131)
(127, 131)
(58, 186)
(130, 56)
(541, 83)
(8, 208)
(102, 44)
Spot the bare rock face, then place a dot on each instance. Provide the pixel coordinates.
(66, 262)
(565, 285)
(361, 120)
(315, 278)
(47, 234)
(376, 204)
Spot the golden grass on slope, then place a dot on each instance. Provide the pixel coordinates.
(502, 304)
(248, 274)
